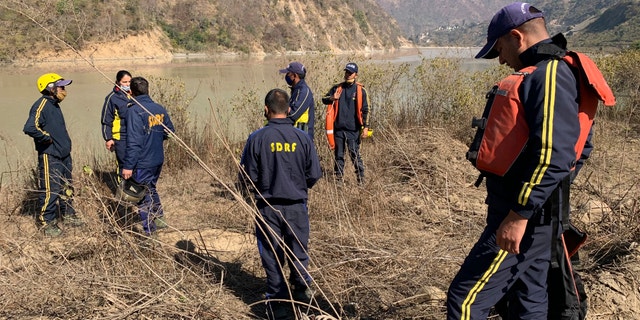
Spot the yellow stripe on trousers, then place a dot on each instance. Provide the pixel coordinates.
(547, 132)
(47, 187)
(471, 297)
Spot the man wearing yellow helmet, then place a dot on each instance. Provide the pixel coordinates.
(47, 128)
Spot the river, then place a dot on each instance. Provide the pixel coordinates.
(215, 81)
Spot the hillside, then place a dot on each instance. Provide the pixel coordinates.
(36, 28)
(204, 26)
(464, 22)
(416, 17)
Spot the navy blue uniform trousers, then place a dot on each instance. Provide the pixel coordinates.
(488, 273)
(55, 178)
(149, 207)
(285, 223)
(352, 141)
(121, 148)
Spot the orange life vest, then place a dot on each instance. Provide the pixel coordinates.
(332, 113)
(503, 131)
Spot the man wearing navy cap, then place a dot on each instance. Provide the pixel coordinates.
(346, 122)
(512, 256)
(301, 102)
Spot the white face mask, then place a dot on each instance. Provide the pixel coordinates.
(125, 88)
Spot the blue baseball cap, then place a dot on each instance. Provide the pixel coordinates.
(505, 20)
(351, 67)
(62, 83)
(295, 67)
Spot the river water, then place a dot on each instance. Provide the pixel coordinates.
(205, 81)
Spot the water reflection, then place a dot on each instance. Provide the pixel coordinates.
(414, 56)
(218, 82)
(82, 107)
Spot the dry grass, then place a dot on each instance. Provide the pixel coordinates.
(387, 251)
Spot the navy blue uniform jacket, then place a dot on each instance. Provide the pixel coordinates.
(302, 100)
(114, 115)
(549, 95)
(281, 161)
(145, 134)
(347, 118)
(47, 128)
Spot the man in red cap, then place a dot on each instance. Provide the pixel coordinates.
(512, 256)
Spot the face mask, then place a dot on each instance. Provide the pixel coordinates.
(125, 88)
(60, 95)
(350, 81)
(288, 80)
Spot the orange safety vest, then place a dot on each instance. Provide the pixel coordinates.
(332, 113)
(503, 131)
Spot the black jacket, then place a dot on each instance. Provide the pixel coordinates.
(47, 128)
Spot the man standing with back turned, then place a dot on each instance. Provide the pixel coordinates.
(279, 164)
(147, 125)
(513, 255)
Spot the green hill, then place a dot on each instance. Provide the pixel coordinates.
(198, 26)
(277, 26)
(588, 23)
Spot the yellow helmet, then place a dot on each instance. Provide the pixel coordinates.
(49, 80)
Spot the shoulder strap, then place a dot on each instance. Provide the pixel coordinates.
(591, 76)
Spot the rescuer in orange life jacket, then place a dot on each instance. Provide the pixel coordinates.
(346, 123)
(513, 254)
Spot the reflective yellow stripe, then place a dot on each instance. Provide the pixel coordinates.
(47, 188)
(547, 132)
(304, 118)
(116, 126)
(471, 297)
(37, 117)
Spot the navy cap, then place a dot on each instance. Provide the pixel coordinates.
(351, 67)
(295, 67)
(505, 20)
(62, 83)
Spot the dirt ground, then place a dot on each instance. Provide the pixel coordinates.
(387, 251)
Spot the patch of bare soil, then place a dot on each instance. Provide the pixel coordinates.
(145, 48)
(385, 251)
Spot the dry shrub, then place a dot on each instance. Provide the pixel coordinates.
(384, 251)
(388, 242)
